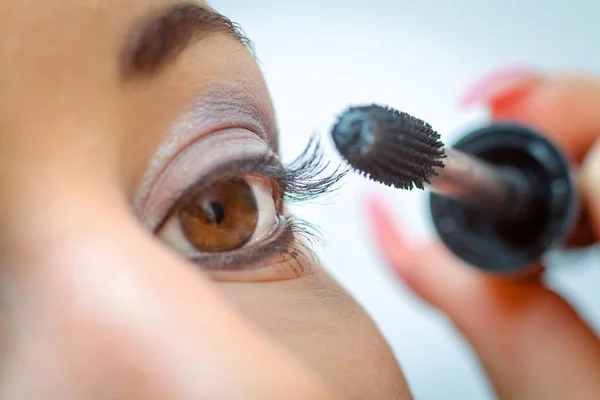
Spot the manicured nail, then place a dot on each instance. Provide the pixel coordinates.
(497, 84)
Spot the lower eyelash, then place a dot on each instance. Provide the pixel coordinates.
(306, 230)
(279, 244)
(304, 179)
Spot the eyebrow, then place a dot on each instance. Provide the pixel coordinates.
(161, 39)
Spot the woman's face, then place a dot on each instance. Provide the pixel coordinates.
(138, 158)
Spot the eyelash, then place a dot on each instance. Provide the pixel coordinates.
(308, 177)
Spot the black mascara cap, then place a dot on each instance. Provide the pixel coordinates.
(495, 245)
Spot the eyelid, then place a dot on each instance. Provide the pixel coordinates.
(270, 223)
(265, 166)
(225, 105)
(207, 156)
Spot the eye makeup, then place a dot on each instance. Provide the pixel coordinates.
(224, 137)
(224, 105)
(280, 254)
(219, 154)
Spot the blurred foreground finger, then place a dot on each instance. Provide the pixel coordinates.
(531, 342)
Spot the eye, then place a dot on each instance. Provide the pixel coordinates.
(226, 216)
(222, 218)
(231, 221)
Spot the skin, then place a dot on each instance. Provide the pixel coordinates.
(93, 306)
(530, 341)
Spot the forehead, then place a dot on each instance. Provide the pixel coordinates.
(60, 60)
(44, 14)
(75, 42)
(53, 32)
(52, 25)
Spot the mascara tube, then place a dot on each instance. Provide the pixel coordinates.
(536, 220)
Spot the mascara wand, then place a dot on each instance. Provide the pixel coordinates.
(500, 198)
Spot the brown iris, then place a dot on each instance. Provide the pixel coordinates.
(220, 218)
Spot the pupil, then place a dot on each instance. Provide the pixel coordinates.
(221, 218)
(215, 213)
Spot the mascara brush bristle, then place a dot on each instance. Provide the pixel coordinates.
(389, 146)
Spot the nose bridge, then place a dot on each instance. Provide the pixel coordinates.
(46, 202)
(58, 102)
(102, 302)
(101, 311)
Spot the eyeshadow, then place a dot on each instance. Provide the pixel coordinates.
(264, 164)
(221, 106)
(193, 164)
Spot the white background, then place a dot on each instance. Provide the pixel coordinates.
(419, 56)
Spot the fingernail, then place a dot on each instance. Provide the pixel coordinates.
(497, 84)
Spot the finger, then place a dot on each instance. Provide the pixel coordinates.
(590, 178)
(561, 106)
(498, 85)
(399, 253)
(530, 341)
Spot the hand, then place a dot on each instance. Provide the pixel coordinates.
(532, 344)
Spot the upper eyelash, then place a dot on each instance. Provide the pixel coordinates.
(306, 177)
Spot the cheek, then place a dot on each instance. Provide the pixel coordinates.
(322, 324)
(105, 311)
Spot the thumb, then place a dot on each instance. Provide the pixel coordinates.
(590, 179)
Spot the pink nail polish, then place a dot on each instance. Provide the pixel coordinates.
(496, 84)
